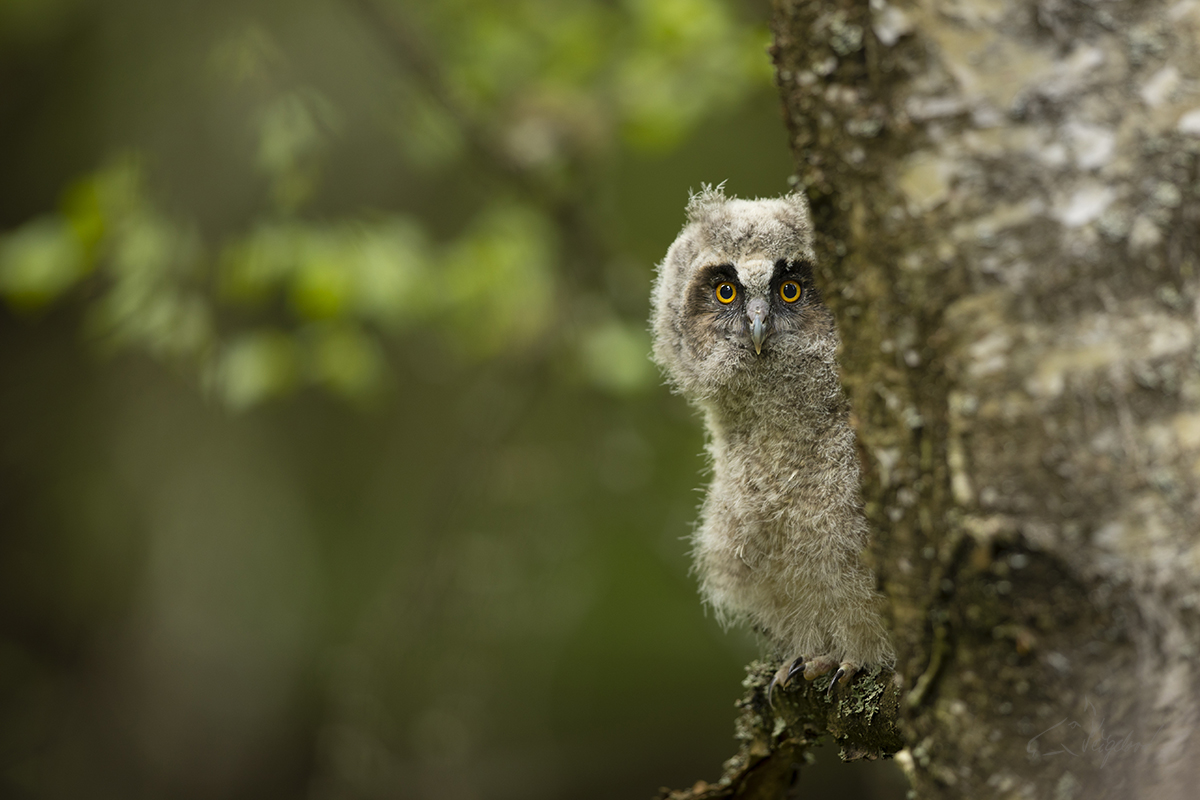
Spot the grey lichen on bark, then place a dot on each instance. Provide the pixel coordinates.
(1007, 198)
(776, 732)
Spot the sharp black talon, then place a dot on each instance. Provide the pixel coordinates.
(771, 688)
(836, 677)
(797, 666)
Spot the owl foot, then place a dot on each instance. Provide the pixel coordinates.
(811, 668)
(845, 671)
(783, 676)
(817, 666)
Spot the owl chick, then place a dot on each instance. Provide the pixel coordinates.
(740, 329)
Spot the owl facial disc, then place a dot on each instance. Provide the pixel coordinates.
(756, 312)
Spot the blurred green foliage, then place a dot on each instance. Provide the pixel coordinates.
(534, 94)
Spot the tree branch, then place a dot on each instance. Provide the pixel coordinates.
(774, 736)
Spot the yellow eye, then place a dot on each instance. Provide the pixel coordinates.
(789, 291)
(726, 292)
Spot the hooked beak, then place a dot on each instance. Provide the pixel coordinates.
(756, 312)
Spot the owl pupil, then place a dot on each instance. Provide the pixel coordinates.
(790, 291)
(725, 292)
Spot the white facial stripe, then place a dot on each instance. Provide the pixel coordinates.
(755, 274)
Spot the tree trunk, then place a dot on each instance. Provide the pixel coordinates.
(1007, 198)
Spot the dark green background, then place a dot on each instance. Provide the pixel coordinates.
(459, 573)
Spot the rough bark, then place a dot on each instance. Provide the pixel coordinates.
(1007, 198)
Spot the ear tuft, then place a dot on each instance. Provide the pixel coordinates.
(701, 204)
(799, 204)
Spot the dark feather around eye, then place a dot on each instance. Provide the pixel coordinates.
(718, 273)
(799, 271)
(701, 292)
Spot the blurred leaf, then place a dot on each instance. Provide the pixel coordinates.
(616, 357)
(150, 302)
(345, 359)
(251, 269)
(39, 261)
(497, 282)
(84, 211)
(113, 193)
(393, 266)
(167, 324)
(257, 366)
(323, 281)
(144, 247)
(293, 130)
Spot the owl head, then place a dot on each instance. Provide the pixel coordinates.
(734, 302)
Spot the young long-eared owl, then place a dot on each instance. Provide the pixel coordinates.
(740, 329)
